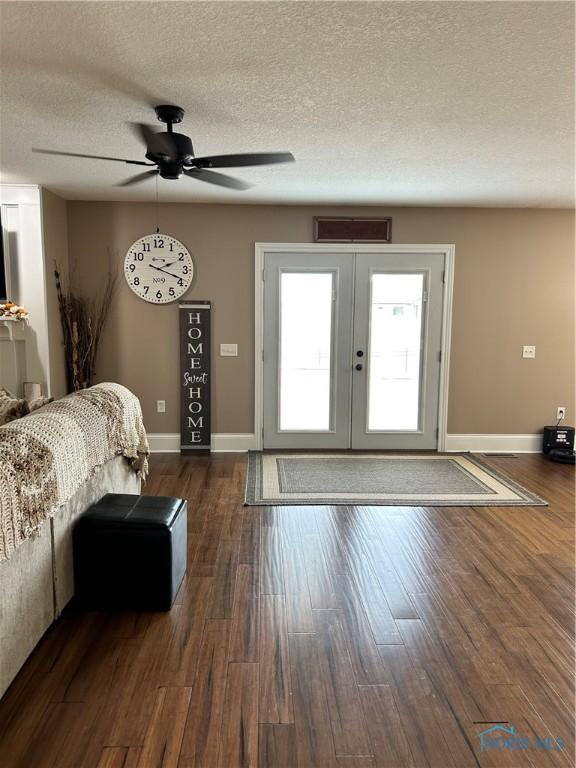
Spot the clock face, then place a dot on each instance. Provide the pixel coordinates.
(158, 268)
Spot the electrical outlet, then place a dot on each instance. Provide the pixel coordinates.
(161, 406)
(561, 412)
(528, 350)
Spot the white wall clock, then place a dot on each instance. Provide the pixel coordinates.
(158, 268)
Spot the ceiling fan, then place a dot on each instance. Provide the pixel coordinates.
(173, 155)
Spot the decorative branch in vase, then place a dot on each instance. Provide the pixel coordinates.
(83, 321)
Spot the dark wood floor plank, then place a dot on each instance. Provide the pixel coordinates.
(314, 743)
(366, 590)
(299, 613)
(348, 728)
(275, 699)
(105, 689)
(204, 563)
(495, 539)
(488, 565)
(244, 634)
(201, 739)
(277, 746)
(239, 740)
(305, 517)
(336, 556)
(405, 565)
(271, 560)
(535, 538)
(96, 671)
(181, 655)
(119, 757)
(250, 536)
(559, 606)
(546, 684)
(321, 578)
(113, 757)
(128, 624)
(197, 508)
(58, 742)
(139, 675)
(164, 735)
(133, 757)
(48, 674)
(106, 674)
(222, 598)
(460, 625)
(366, 661)
(443, 668)
(413, 697)
(396, 596)
(559, 647)
(232, 523)
(388, 739)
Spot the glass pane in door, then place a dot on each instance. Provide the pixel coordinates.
(305, 350)
(395, 354)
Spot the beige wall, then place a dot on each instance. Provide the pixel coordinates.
(55, 237)
(514, 285)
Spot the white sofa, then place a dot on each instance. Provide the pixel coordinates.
(37, 582)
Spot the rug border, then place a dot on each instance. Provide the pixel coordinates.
(254, 482)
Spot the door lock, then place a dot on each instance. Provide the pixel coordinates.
(359, 353)
(359, 366)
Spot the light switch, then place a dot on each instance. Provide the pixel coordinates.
(528, 350)
(228, 350)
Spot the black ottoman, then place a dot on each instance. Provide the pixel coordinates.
(130, 552)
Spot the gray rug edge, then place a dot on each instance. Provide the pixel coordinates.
(254, 483)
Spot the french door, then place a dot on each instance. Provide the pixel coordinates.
(352, 350)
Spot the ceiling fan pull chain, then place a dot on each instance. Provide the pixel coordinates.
(157, 209)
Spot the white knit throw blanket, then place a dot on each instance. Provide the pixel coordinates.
(45, 457)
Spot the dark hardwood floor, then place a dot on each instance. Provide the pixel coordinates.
(349, 637)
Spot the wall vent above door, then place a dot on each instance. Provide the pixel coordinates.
(345, 229)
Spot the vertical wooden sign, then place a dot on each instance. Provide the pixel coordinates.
(195, 429)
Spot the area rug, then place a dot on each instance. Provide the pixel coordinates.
(383, 479)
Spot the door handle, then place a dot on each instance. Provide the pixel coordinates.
(359, 366)
(359, 353)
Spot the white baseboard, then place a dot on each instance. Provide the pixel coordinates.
(164, 442)
(236, 442)
(494, 443)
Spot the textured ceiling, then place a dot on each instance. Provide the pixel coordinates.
(418, 103)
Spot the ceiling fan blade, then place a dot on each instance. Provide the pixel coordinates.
(246, 158)
(91, 157)
(220, 179)
(156, 143)
(137, 179)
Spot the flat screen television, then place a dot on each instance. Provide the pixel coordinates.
(3, 287)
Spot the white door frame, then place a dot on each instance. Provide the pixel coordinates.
(262, 248)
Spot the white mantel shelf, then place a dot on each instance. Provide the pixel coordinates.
(16, 329)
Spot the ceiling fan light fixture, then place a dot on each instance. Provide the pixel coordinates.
(171, 171)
